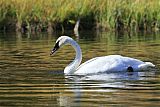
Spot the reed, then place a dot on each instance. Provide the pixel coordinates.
(37, 15)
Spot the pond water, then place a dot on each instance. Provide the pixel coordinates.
(29, 76)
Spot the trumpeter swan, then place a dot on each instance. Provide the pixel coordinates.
(108, 63)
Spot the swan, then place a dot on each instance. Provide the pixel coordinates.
(110, 63)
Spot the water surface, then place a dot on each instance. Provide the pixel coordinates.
(29, 76)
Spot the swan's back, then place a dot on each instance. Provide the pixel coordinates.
(109, 63)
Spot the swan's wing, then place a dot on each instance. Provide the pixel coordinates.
(90, 66)
(100, 64)
(108, 63)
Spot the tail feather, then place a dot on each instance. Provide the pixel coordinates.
(146, 65)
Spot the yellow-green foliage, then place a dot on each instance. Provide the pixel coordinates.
(106, 13)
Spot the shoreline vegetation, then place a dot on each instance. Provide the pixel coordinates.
(106, 15)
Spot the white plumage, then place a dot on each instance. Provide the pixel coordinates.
(110, 63)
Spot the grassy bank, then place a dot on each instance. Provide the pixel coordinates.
(49, 15)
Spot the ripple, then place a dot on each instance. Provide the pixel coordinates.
(30, 77)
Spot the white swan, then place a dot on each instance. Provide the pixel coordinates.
(99, 64)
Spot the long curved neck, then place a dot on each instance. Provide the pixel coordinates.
(71, 68)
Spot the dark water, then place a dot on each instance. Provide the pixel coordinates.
(29, 76)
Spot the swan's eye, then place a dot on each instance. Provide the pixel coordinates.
(56, 47)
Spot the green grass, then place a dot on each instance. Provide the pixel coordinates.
(36, 15)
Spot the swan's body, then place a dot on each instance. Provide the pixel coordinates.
(111, 63)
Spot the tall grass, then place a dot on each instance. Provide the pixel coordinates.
(37, 15)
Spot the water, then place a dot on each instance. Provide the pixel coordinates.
(29, 76)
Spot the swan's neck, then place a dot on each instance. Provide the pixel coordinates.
(71, 68)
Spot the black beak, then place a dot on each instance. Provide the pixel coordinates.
(56, 47)
(53, 51)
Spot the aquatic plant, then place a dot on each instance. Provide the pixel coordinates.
(33, 15)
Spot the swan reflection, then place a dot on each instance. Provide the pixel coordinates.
(80, 86)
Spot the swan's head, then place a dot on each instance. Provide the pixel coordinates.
(59, 43)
